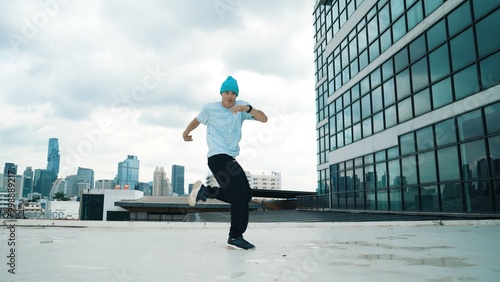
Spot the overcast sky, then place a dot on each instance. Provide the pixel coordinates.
(117, 78)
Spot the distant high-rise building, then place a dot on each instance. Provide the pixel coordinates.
(104, 184)
(53, 158)
(128, 173)
(178, 179)
(42, 182)
(87, 174)
(28, 181)
(160, 182)
(10, 168)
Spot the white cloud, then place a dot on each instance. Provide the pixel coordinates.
(67, 67)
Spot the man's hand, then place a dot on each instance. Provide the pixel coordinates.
(187, 137)
(239, 108)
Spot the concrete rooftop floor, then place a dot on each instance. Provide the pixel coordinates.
(466, 250)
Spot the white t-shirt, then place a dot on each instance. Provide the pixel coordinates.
(223, 128)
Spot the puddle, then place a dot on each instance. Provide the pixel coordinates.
(452, 262)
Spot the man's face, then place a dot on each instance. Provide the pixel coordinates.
(228, 99)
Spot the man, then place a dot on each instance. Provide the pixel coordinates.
(224, 120)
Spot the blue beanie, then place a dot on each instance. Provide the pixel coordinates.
(229, 84)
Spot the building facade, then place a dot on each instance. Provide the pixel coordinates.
(53, 157)
(408, 104)
(161, 183)
(87, 174)
(42, 182)
(178, 179)
(128, 173)
(264, 181)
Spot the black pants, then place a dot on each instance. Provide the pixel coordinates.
(234, 189)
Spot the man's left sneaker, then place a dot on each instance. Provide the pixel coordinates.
(239, 243)
(198, 193)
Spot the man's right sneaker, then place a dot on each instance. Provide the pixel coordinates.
(198, 193)
(239, 243)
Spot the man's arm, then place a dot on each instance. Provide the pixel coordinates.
(191, 126)
(257, 114)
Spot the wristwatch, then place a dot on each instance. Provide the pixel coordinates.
(250, 108)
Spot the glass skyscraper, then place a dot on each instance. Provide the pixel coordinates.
(178, 179)
(53, 158)
(408, 105)
(128, 173)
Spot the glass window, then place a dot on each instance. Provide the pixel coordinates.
(474, 161)
(354, 67)
(401, 59)
(338, 104)
(340, 121)
(407, 143)
(392, 153)
(415, 15)
(405, 111)
(427, 167)
(403, 84)
(463, 51)
(374, 51)
(347, 117)
(470, 125)
(490, 71)
(362, 43)
(348, 136)
(383, 18)
(419, 74)
(389, 92)
(356, 112)
(355, 92)
(425, 139)
(378, 122)
(451, 197)
(481, 8)
(399, 29)
(365, 106)
(377, 101)
(368, 159)
(375, 78)
(387, 70)
(441, 93)
(397, 9)
(381, 173)
(448, 164)
(439, 63)
(422, 102)
(492, 116)
(431, 5)
(367, 127)
(356, 132)
(390, 116)
(477, 196)
(394, 176)
(372, 29)
(445, 132)
(494, 145)
(347, 98)
(369, 177)
(380, 156)
(340, 139)
(363, 59)
(385, 40)
(466, 82)
(353, 48)
(487, 34)
(436, 34)
(459, 19)
(409, 170)
(365, 85)
(417, 48)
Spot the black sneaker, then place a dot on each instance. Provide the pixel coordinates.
(197, 194)
(239, 243)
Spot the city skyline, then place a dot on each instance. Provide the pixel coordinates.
(135, 94)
